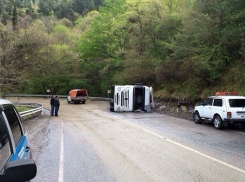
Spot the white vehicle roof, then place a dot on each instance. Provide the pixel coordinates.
(3, 101)
(130, 85)
(228, 97)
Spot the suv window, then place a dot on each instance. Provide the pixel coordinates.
(209, 101)
(14, 125)
(4, 144)
(218, 102)
(237, 102)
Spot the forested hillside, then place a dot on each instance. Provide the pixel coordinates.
(185, 49)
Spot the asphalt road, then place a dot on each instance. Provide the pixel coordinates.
(87, 142)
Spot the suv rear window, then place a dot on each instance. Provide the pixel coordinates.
(237, 102)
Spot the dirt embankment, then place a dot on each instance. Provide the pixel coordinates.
(179, 109)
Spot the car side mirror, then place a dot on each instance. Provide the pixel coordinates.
(19, 171)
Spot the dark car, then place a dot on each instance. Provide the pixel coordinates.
(16, 164)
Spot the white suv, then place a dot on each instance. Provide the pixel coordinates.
(222, 109)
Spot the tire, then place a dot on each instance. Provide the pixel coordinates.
(83, 102)
(68, 101)
(197, 119)
(218, 123)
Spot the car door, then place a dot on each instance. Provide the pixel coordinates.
(123, 101)
(119, 98)
(128, 98)
(218, 107)
(205, 109)
(19, 141)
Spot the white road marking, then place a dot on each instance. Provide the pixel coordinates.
(185, 147)
(61, 168)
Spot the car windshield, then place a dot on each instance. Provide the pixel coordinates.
(237, 102)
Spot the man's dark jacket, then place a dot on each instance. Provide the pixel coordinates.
(56, 102)
(52, 101)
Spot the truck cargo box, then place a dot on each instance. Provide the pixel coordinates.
(136, 98)
(77, 96)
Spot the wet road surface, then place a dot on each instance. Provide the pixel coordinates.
(87, 142)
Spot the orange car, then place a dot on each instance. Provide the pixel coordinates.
(77, 96)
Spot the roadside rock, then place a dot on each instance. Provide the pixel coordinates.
(175, 109)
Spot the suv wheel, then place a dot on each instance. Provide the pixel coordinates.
(218, 122)
(197, 118)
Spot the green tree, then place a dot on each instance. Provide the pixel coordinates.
(15, 18)
(84, 23)
(98, 46)
(46, 6)
(64, 10)
(82, 7)
(207, 44)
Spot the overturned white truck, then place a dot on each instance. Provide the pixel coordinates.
(135, 97)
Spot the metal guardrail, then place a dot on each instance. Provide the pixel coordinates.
(48, 96)
(100, 98)
(30, 95)
(38, 109)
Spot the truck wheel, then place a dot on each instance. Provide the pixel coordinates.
(197, 118)
(218, 122)
(83, 102)
(68, 101)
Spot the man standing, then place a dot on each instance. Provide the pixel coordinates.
(56, 105)
(52, 105)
